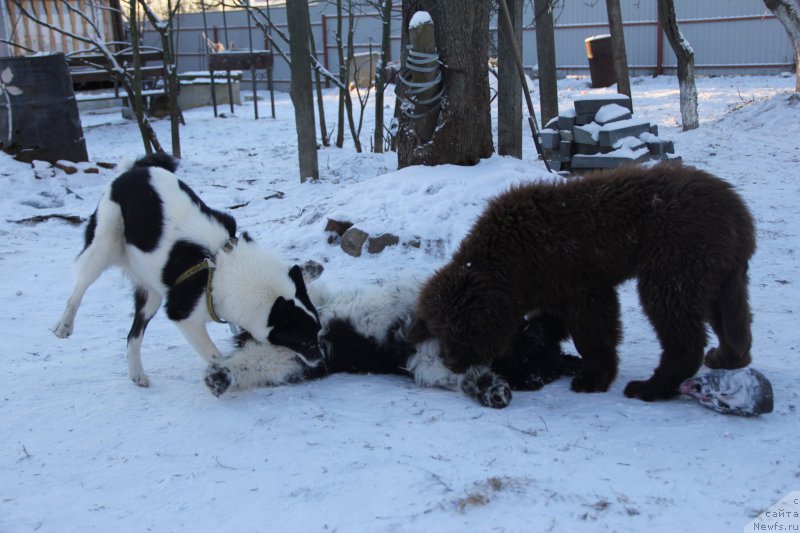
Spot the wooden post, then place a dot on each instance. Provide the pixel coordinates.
(423, 41)
(659, 48)
(462, 126)
(546, 54)
(618, 47)
(509, 91)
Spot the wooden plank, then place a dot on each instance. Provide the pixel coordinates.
(99, 59)
(60, 10)
(83, 97)
(84, 76)
(50, 19)
(31, 36)
(74, 44)
(245, 60)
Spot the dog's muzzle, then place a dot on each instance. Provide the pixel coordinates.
(310, 354)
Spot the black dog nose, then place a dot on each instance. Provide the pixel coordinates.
(312, 350)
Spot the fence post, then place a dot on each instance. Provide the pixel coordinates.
(659, 47)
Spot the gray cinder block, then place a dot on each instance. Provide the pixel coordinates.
(550, 139)
(613, 132)
(593, 103)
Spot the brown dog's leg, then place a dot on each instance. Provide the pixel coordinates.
(730, 318)
(594, 324)
(676, 310)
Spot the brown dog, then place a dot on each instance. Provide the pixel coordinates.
(563, 248)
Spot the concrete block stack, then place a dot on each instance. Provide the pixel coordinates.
(601, 132)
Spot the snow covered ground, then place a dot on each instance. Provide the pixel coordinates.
(86, 450)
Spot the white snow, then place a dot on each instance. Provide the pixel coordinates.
(610, 112)
(593, 128)
(600, 36)
(84, 449)
(649, 137)
(419, 18)
(630, 143)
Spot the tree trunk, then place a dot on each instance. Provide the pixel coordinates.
(173, 88)
(546, 55)
(323, 128)
(348, 99)
(172, 91)
(463, 133)
(380, 73)
(509, 92)
(149, 136)
(342, 76)
(685, 55)
(618, 47)
(788, 12)
(171, 65)
(135, 99)
(300, 89)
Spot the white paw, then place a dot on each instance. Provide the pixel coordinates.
(62, 330)
(141, 379)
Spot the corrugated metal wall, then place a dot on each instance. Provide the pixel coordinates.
(78, 20)
(233, 31)
(728, 36)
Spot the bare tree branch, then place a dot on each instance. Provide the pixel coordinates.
(17, 45)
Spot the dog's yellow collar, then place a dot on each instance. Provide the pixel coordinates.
(208, 264)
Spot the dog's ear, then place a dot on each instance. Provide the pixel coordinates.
(418, 331)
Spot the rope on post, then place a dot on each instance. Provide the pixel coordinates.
(426, 64)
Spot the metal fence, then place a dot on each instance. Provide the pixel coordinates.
(728, 36)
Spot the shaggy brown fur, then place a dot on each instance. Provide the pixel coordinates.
(563, 248)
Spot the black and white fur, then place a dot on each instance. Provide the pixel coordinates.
(363, 331)
(156, 228)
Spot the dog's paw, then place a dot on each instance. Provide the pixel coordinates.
(482, 383)
(311, 271)
(497, 396)
(650, 390)
(62, 330)
(218, 379)
(141, 379)
(591, 381)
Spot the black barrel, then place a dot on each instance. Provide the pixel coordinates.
(601, 61)
(38, 112)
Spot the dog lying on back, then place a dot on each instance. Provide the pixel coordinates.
(174, 247)
(363, 331)
(685, 235)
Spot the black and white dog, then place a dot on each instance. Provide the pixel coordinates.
(364, 331)
(174, 246)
